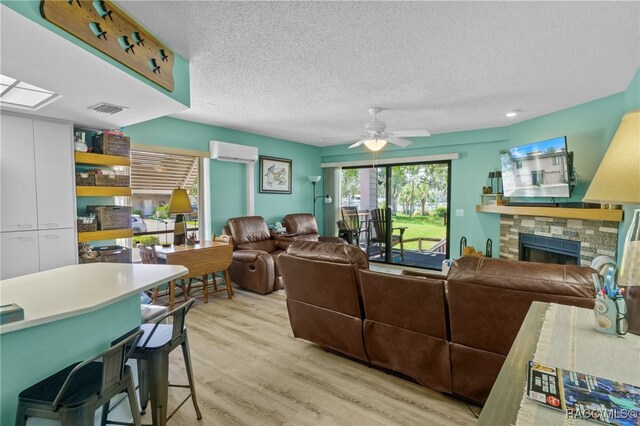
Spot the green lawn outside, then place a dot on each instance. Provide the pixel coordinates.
(421, 226)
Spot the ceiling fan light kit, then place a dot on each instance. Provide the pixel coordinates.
(375, 144)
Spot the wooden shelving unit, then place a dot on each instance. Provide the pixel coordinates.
(103, 191)
(101, 159)
(111, 234)
(567, 213)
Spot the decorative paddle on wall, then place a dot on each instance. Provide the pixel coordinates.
(104, 26)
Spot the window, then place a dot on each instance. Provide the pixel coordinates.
(555, 160)
(154, 175)
(518, 164)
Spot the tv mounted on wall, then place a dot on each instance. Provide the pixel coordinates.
(539, 169)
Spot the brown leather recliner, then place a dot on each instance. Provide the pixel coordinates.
(488, 300)
(305, 227)
(255, 254)
(323, 294)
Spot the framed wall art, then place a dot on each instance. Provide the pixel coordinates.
(275, 175)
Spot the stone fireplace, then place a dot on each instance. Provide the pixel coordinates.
(589, 238)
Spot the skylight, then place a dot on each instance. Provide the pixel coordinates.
(18, 94)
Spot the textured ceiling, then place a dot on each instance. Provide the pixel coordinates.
(304, 71)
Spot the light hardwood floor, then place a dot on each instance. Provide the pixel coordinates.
(251, 371)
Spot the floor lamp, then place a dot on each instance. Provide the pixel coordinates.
(179, 203)
(327, 198)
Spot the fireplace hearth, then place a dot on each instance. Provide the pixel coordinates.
(535, 248)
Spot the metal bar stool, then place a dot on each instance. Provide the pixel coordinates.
(73, 395)
(152, 353)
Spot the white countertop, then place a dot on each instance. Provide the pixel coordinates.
(77, 289)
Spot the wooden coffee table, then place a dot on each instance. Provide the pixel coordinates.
(201, 259)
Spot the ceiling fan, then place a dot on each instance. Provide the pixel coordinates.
(375, 136)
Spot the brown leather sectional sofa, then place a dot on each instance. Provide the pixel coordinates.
(450, 336)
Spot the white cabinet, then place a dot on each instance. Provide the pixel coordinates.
(37, 202)
(54, 174)
(53, 248)
(18, 254)
(17, 174)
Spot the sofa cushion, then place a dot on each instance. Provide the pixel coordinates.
(416, 355)
(328, 328)
(473, 372)
(301, 224)
(248, 229)
(329, 252)
(264, 245)
(489, 298)
(563, 280)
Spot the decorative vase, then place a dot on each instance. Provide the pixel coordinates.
(629, 274)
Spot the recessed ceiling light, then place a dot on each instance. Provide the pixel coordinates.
(511, 114)
(18, 94)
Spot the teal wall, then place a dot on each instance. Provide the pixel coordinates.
(589, 129)
(31, 10)
(228, 180)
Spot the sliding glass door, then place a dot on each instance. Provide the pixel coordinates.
(399, 213)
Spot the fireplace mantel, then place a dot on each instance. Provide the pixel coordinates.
(612, 215)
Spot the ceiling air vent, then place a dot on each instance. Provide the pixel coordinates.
(106, 108)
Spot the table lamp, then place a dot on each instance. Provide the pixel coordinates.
(179, 204)
(617, 181)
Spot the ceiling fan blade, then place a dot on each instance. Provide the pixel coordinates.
(360, 142)
(399, 141)
(409, 133)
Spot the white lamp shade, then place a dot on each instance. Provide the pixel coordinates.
(314, 179)
(617, 180)
(328, 199)
(375, 144)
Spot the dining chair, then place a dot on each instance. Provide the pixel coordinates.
(148, 255)
(379, 222)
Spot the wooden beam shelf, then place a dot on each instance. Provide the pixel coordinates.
(101, 159)
(103, 191)
(111, 234)
(567, 213)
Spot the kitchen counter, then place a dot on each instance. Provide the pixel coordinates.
(78, 289)
(70, 314)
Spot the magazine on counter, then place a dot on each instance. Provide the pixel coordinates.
(582, 396)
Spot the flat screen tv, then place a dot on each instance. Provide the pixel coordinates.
(539, 169)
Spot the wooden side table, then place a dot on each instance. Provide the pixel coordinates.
(201, 259)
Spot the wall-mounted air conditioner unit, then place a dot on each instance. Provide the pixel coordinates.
(224, 151)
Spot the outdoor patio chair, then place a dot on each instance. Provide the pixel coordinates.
(351, 222)
(379, 223)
